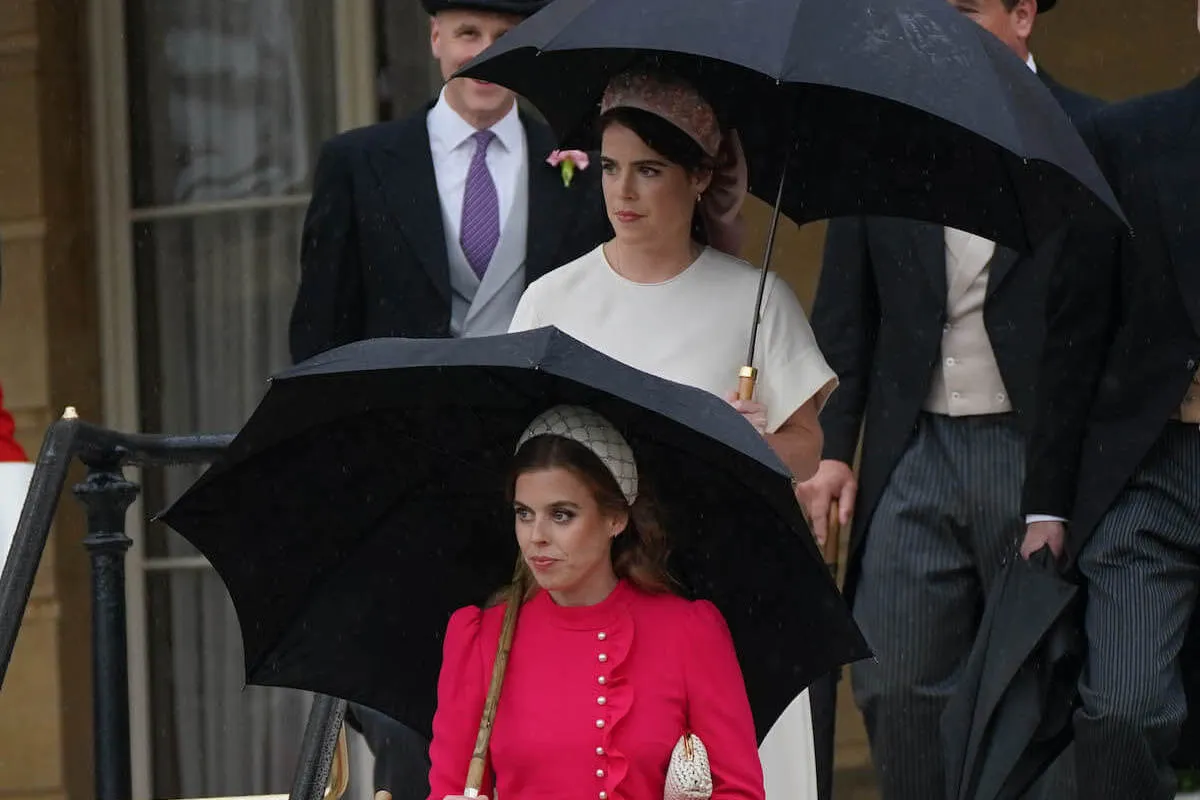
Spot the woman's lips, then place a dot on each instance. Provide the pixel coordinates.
(627, 216)
(541, 564)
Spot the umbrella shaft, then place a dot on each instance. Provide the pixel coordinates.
(766, 263)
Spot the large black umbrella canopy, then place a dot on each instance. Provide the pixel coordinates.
(1011, 713)
(891, 107)
(363, 502)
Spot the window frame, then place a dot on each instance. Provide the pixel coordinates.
(115, 219)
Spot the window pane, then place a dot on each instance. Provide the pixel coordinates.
(211, 737)
(228, 98)
(214, 298)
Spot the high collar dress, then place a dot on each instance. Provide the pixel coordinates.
(594, 700)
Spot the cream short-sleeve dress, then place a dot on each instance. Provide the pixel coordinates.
(694, 329)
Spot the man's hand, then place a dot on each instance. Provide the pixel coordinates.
(1050, 534)
(834, 480)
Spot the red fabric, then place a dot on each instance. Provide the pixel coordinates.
(669, 664)
(9, 449)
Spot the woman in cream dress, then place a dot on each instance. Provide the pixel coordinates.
(655, 298)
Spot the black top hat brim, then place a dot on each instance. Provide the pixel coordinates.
(522, 8)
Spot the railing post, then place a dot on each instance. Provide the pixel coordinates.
(107, 495)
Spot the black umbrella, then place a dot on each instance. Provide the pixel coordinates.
(363, 502)
(1010, 715)
(901, 109)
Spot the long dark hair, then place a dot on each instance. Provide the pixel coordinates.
(669, 142)
(639, 553)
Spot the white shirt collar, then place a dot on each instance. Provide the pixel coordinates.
(452, 131)
(1029, 62)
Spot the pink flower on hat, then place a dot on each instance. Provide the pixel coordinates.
(568, 161)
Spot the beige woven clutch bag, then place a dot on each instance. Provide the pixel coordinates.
(688, 775)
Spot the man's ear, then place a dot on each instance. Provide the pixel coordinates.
(1023, 16)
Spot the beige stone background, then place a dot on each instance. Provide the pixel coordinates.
(49, 356)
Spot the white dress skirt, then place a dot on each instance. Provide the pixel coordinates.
(694, 329)
(14, 485)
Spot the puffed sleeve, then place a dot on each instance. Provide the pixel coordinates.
(462, 689)
(718, 709)
(792, 369)
(525, 318)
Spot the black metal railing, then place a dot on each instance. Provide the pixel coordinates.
(107, 494)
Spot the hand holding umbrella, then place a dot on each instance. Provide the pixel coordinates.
(905, 111)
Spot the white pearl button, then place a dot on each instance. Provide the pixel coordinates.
(604, 796)
(599, 751)
(949, 362)
(599, 723)
(956, 395)
(603, 658)
(602, 636)
(601, 701)
(1000, 397)
(599, 773)
(602, 680)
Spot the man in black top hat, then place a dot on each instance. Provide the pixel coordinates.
(1116, 447)
(934, 334)
(432, 225)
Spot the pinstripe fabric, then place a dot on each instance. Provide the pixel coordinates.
(1142, 565)
(944, 525)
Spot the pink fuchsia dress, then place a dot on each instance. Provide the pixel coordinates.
(595, 699)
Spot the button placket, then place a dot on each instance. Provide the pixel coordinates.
(601, 723)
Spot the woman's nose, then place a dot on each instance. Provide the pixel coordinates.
(627, 185)
(539, 532)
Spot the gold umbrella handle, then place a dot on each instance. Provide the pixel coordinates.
(747, 378)
(833, 535)
(339, 774)
(479, 758)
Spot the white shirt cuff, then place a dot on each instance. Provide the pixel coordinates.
(1032, 518)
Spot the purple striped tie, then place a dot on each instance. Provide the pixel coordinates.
(481, 208)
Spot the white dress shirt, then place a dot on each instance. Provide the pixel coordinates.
(452, 148)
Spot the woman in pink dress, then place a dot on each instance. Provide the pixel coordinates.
(609, 668)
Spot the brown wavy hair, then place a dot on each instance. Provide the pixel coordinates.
(640, 552)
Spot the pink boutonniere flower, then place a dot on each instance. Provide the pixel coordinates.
(568, 161)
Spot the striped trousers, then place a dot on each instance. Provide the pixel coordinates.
(939, 537)
(1141, 567)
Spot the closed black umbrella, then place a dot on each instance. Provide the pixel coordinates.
(870, 106)
(364, 501)
(1010, 715)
